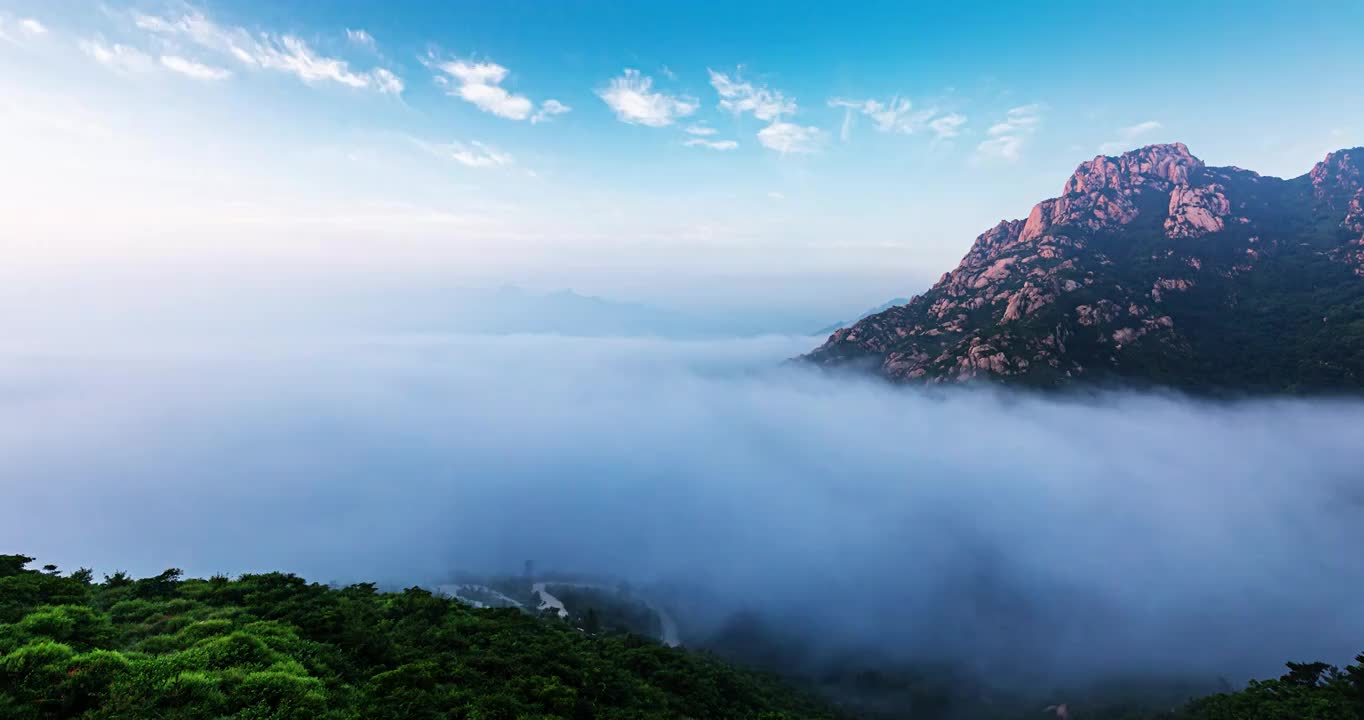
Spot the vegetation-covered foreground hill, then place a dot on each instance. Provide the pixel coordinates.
(1151, 268)
(274, 646)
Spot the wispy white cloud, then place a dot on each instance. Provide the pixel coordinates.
(700, 130)
(386, 82)
(473, 154)
(293, 55)
(122, 58)
(286, 53)
(948, 126)
(26, 27)
(548, 109)
(898, 115)
(785, 137)
(236, 42)
(479, 155)
(711, 144)
(776, 195)
(480, 84)
(32, 27)
(740, 97)
(1008, 137)
(198, 71)
(1024, 118)
(1128, 136)
(1004, 147)
(361, 38)
(634, 101)
(845, 130)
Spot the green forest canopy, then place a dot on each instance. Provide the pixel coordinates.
(274, 646)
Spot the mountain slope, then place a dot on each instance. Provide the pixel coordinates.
(275, 647)
(1149, 268)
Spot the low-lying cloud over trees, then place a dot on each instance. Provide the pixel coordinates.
(1111, 532)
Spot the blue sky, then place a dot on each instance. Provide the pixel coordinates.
(691, 154)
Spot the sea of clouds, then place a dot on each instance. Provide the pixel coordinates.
(1116, 531)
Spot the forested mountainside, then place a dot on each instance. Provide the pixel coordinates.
(274, 646)
(1151, 268)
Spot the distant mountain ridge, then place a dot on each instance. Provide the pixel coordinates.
(879, 308)
(1150, 268)
(513, 310)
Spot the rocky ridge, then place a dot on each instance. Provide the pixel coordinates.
(1147, 268)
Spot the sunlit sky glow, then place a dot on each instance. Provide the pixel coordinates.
(684, 153)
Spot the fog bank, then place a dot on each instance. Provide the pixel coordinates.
(1118, 532)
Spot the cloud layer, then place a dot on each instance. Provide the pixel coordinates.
(1116, 533)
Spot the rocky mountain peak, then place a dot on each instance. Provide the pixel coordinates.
(1151, 267)
(1154, 164)
(1100, 194)
(1339, 174)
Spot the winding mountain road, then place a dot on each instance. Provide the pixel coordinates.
(670, 637)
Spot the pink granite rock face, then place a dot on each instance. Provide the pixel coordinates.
(1152, 165)
(1030, 292)
(1353, 223)
(1100, 193)
(1196, 211)
(1354, 215)
(1338, 174)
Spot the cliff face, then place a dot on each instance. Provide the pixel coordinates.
(1149, 268)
